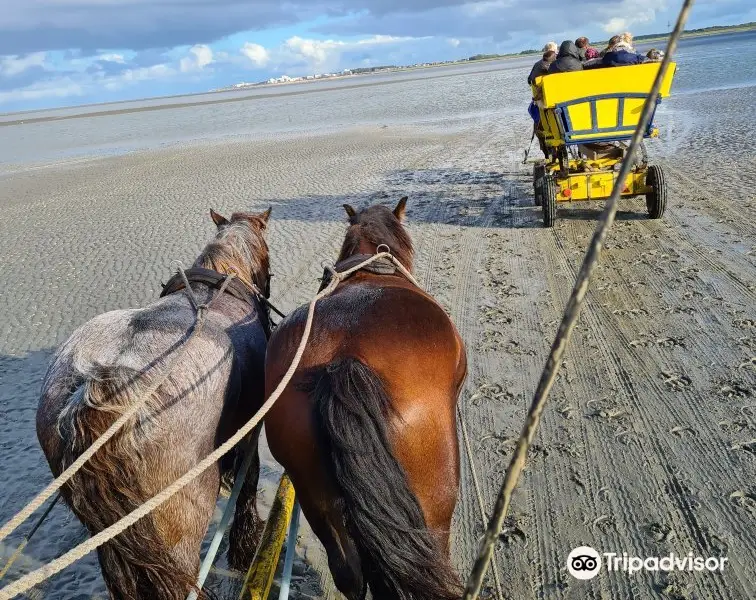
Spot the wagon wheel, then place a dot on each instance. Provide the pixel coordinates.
(548, 199)
(656, 199)
(538, 173)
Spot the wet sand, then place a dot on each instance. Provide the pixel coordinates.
(647, 445)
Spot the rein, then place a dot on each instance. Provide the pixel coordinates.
(380, 266)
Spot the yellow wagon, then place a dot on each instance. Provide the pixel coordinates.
(587, 118)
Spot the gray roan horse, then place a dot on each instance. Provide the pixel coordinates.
(110, 361)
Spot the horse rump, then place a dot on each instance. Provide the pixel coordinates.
(401, 558)
(138, 563)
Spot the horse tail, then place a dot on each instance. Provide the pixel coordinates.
(138, 563)
(401, 558)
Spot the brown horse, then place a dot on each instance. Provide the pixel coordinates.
(108, 364)
(367, 427)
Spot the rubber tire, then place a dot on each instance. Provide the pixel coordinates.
(656, 200)
(538, 173)
(549, 189)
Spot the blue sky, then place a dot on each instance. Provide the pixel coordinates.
(68, 52)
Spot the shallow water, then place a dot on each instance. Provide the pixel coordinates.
(441, 96)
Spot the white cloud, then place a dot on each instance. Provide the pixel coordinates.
(200, 56)
(145, 73)
(116, 58)
(318, 53)
(632, 17)
(83, 83)
(13, 65)
(454, 42)
(256, 53)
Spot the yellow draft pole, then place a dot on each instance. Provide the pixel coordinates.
(260, 575)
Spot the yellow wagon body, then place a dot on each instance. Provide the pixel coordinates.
(594, 112)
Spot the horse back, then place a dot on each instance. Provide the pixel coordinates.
(395, 328)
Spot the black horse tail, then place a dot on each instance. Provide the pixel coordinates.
(401, 558)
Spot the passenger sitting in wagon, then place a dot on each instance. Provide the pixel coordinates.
(586, 51)
(623, 53)
(613, 41)
(542, 66)
(567, 60)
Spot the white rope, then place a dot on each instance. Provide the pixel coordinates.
(45, 572)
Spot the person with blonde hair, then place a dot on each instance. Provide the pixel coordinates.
(550, 47)
(620, 52)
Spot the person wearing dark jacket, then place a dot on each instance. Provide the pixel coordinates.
(542, 66)
(621, 55)
(567, 60)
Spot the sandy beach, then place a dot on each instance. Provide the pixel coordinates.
(647, 445)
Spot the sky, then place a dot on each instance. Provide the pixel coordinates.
(71, 52)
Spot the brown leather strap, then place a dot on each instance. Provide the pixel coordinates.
(382, 266)
(214, 280)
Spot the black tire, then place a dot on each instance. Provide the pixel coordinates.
(549, 191)
(656, 199)
(538, 173)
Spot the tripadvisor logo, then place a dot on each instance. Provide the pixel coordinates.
(585, 563)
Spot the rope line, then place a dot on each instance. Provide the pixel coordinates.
(45, 572)
(479, 495)
(569, 319)
(63, 478)
(27, 539)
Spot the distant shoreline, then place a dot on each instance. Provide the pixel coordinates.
(641, 40)
(709, 32)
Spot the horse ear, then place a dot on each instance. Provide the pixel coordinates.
(219, 220)
(350, 211)
(401, 209)
(265, 217)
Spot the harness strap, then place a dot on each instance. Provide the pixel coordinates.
(381, 266)
(214, 280)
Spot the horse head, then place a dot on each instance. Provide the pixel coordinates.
(239, 247)
(376, 226)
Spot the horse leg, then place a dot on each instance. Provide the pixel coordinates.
(428, 451)
(316, 492)
(247, 525)
(326, 519)
(182, 524)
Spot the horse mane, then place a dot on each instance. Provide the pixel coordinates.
(239, 247)
(377, 225)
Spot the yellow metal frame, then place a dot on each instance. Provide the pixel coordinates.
(597, 105)
(594, 179)
(259, 578)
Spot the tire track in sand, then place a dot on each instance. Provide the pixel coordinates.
(681, 509)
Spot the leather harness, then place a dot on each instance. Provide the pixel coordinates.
(214, 280)
(381, 266)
